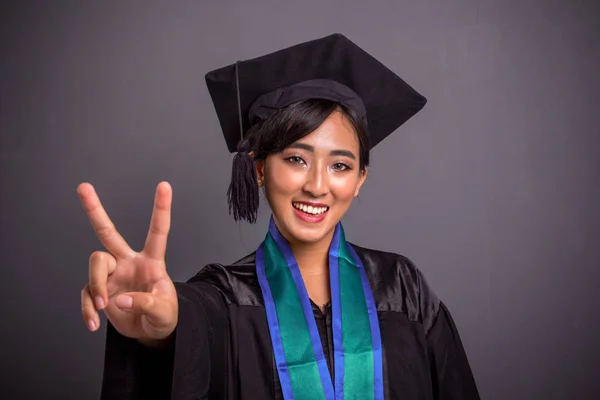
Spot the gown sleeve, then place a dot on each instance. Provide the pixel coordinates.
(451, 373)
(181, 369)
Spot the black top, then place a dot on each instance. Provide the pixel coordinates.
(222, 348)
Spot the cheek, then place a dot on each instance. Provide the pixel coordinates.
(282, 181)
(343, 187)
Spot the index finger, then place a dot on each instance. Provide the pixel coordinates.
(104, 227)
(156, 241)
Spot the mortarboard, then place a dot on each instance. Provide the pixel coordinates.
(331, 68)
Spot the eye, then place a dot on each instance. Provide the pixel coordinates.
(341, 167)
(295, 160)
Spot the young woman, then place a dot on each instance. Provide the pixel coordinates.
(308, 315)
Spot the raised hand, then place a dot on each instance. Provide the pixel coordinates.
(134, 289)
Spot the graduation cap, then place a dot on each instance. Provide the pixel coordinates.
(339, 71)
(332, 68)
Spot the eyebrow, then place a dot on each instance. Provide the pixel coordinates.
(307, 147)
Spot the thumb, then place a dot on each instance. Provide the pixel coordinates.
(158, 310)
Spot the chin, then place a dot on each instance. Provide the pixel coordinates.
(305, 236)
(308, 232)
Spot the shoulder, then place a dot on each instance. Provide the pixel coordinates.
(237, 282)
(399, 285)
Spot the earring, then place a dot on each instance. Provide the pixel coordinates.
(260, 182)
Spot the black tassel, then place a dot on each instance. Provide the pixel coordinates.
(242, 194)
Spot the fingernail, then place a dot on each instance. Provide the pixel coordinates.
(99, 303)
(92, 325)
(124, 302)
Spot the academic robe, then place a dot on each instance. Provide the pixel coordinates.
(222, 349)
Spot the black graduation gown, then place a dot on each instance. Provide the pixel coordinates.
(221, 348)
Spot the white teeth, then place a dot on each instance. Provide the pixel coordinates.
(310, 209)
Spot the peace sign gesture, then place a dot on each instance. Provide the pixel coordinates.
(132, 288)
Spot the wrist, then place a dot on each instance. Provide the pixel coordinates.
(157, 343)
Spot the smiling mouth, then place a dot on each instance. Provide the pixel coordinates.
(310, 209)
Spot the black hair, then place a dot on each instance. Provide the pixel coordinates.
(275, 134)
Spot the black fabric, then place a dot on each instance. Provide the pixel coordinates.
(222, 348)
(389, 100)
(267, 104)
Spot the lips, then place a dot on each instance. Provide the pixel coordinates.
(310, 212)
(311, 208)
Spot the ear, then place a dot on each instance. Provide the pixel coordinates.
(361, 180)
(260, 171)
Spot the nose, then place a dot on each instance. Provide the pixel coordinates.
(317, 182)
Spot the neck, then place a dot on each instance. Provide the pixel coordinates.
(312, 258)
(313, 262)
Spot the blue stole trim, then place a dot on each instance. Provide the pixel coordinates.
(321, 362)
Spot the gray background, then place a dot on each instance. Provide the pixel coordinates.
(492, 189)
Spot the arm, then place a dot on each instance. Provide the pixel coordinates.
(182, 365)
(451, 374)
(450, 370)
(133, 371)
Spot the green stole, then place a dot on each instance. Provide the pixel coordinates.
(301, 363)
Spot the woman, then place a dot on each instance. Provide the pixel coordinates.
(308, 315)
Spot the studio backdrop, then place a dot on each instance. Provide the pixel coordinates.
(491, 190)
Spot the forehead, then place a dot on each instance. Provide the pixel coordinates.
(335, 132)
